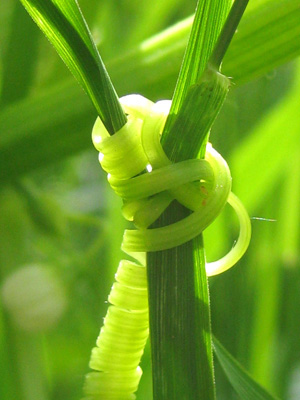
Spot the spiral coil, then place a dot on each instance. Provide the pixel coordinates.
(140, 172)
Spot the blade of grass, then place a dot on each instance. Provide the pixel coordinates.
(18, 68)
(262, 144)
(56, 130)
(266, 38)
(240, 380)
(290, 233)
(233, 20)
(64, 25)
(267, 299)
(177, 283)
(201, 102)
(203, 36)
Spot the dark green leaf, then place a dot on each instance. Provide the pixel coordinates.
(18, 67)
(65, 27)
(267, 37)
(184, 314)
(208, 22)
(241, 381)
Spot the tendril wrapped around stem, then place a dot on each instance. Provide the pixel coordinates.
(140, 172)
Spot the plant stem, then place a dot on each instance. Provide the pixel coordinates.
(227, 32)
(178, 301)
(180, 356)
(178, 291)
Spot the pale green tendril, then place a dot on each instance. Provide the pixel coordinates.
(203, 186)
(140, 172)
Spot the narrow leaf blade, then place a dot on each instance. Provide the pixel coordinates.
(241, 381)
(63, 24)
(267, 37)
(204, 34)
(184, 266)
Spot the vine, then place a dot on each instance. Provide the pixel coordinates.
(140, 172)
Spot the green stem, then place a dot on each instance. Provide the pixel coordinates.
(181, 348)
(179, 305)
(227, 32)
(180, 316)
(178, 291)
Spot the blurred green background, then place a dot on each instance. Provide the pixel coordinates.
(61, 226)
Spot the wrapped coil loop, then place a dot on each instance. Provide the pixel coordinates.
(140, 172)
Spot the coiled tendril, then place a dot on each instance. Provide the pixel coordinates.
(140, 172)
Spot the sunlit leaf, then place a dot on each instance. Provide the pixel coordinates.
(267, 37)
(186, 262)
(241, 381)
(204, 33)
(271, 147)
(65, 27)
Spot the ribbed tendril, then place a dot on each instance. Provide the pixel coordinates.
(140, 172)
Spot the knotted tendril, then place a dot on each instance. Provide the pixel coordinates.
(140, 172)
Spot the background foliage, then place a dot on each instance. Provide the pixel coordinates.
(57, 210)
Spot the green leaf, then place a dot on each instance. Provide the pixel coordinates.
(63, 24)
(240, 380)
(267, 37)
(190, 129)
(17, 76)
(39, 131)
(176, 363)
(290, 233)
(204, 34)
(271, 147)
(200, 94)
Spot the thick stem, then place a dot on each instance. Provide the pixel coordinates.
(178, 291)
(180, 320)
(179, 309)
